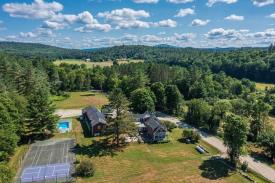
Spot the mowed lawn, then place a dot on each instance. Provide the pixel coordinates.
(272, 121)
(93, 64)
(263, 86)
(158, 163)
(81, 99)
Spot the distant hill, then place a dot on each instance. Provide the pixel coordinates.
(160, 53)
(165, 46)
(40, 50)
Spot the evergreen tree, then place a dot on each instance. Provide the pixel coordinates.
(159, 90)
(123, 122)
(41, 110)
(173, 99)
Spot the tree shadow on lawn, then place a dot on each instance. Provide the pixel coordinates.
(88, 95)
(98, 148)
(214, 169)
(262, 157)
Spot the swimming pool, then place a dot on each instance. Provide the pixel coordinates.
(64, 126)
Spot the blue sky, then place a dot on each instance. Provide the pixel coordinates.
(101, 23)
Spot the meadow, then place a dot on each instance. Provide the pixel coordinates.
(263, 86)
(78, 100)
(92, 64)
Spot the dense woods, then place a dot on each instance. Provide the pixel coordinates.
(210, 89)
(26, 111)
(257, 64)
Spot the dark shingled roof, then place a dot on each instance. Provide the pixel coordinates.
(154, 123)
(94, 116)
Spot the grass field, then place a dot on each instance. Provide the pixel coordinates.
(272, 121)
(14, 162)
(262, 86)
(170, 162)
(80, 100)
(93, 64)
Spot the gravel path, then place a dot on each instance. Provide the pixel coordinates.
(67, 113)
(255, 165)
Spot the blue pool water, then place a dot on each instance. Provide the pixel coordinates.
(64, 126)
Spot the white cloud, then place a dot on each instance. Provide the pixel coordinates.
(272, 16)
(221, 33)
(36, 10)
(127, 18)
(90, 23)
(146, 1)
(52, 16)
(234, 17)
(10, 37)
(40, 32)
(199, 22)
(133, 24)
(178, 39)
(124, 14)
(167, 23)
(180, 1)
(53, 25)
(185, 12)
(268, 33)
(184, 37)
(261, 3)
(210, 3)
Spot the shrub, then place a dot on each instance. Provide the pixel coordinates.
(85, 169)
(169, 125)
(6, 174)
(244, 166)
(190, 136)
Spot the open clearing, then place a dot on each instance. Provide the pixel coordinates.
(82, 99)
(170, 162)
(263, 86)
(93, 64)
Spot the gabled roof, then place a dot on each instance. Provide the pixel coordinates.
(145, 115)
(154, 123)
(94, 116)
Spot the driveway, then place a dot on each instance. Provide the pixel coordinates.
(67, 113)
(253, 164)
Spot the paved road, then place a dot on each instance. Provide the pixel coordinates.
(253, 164)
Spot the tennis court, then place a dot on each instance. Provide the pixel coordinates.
(48, 161)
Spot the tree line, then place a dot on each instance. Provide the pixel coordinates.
(257, 64)
(25, 107)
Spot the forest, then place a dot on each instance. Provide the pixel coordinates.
(257, 64)
(201, 86)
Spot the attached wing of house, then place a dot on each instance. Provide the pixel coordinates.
(94, 119)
